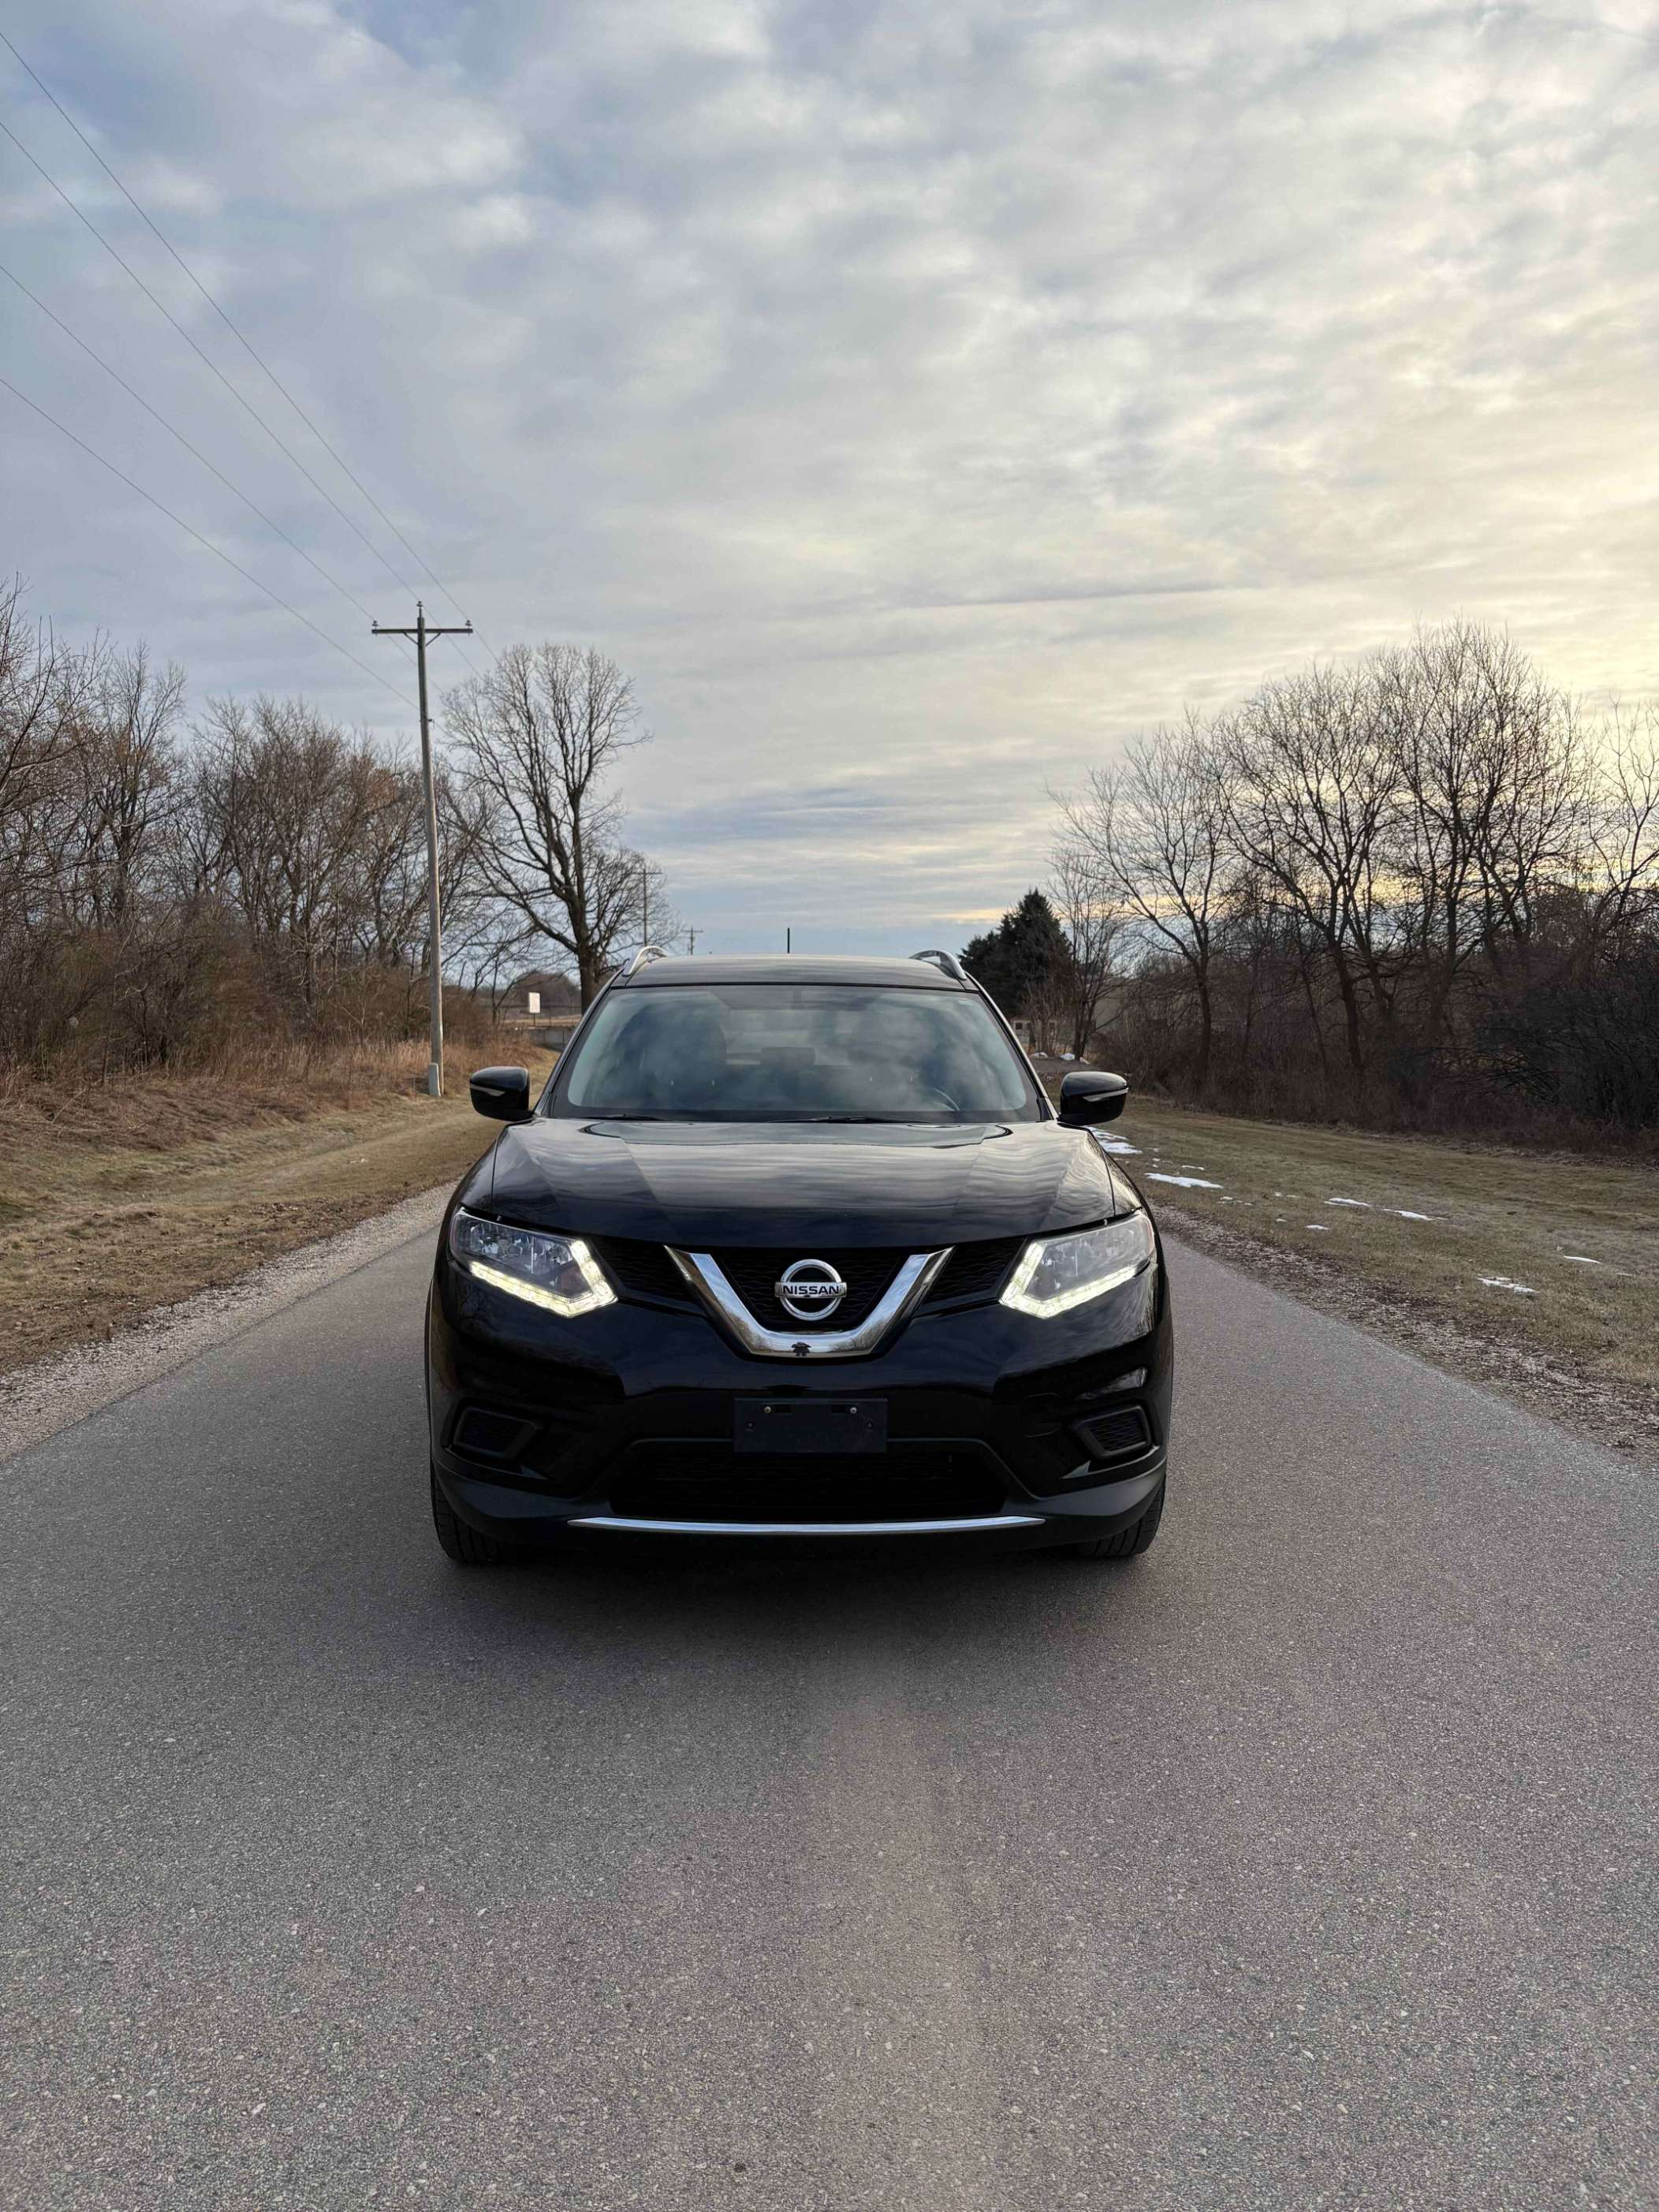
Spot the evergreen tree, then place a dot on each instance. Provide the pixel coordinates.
(1016, 959)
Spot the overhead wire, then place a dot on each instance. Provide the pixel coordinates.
(207, 359)
(171, 320)
(190, 530)
(196, 453)
(242, 339)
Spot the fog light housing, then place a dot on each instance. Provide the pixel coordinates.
(1120, 1434)
(481, 1434)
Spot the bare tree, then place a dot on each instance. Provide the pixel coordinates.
(45, 979)
(658, 919)
(1313, 801)
(316, 837)
(539, 738)
(122, 792)
(1494, 791)
(42, 686)
(1084, 896)
(1533, 842)
(487, 940)
(1621, 842)
(1155, 827)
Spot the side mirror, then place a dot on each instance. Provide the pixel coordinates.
(1089, 1097)
(501, 1093)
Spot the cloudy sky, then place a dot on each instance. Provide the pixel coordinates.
(917, 398)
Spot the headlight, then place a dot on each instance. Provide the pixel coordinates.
(558, 1272)
(1057, 1272)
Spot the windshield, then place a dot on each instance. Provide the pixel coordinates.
(779, 1052)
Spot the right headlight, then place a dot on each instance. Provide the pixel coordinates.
(1055, 1273)
(556, 1273)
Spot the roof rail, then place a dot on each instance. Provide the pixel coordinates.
(948, 961)
(643, 958)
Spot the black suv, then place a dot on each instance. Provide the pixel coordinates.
(797, 1248)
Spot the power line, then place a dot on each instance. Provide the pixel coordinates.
(207, 359)
(244, 342)
(173, 431)
(189, 528)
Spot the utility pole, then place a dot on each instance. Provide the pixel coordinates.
(645, 896)
(691, 944)
(423, 630)
(789, 940)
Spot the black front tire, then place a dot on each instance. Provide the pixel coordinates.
(465, 1545)
(1126, 1543)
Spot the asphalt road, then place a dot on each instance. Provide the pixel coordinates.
(1305, 1862)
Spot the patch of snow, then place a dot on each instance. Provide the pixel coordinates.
(1364, 1204)
(1405, 1214)
(1116, 1145)
(1323, 1227)
(1583, 1258)
(1503, 1283)
(1186, 1183)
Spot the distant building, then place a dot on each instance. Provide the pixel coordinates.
(1049, 1036)
(1111, 1003)
(542, 992)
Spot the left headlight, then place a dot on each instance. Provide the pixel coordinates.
(1057, 1272)
(558, 1272)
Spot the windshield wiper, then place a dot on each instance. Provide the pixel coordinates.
(882, 1120)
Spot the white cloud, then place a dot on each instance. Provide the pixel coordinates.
(494, 219)
(915, 398)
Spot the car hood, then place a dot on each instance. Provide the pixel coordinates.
(703, 1184)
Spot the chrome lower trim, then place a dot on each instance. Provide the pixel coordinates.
(807, 1527)
(908, 1288)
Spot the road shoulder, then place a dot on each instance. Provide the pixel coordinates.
(1621, 1417)
(38, 1401)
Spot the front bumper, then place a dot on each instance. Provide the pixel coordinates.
(1000, 1429)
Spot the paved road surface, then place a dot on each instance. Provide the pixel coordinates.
(1306, 1862)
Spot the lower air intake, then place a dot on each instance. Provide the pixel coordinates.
(941, 1486)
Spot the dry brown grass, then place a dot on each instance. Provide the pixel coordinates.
(130, 1196)
(273, 1080)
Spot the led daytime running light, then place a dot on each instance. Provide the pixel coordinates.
(1135, 1251)
(542, 1251)
(598, 1293)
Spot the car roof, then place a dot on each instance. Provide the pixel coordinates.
(791, 968)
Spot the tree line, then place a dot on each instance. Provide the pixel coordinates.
(171, 882)
(1419, 888)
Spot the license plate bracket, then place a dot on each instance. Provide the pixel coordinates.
(818, 1425)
